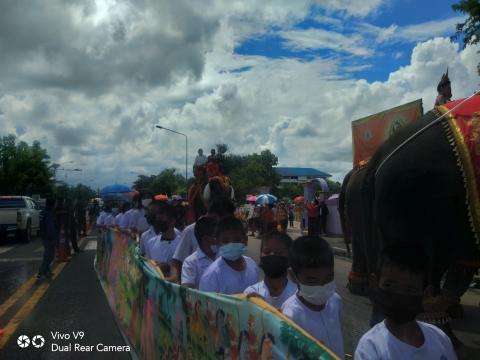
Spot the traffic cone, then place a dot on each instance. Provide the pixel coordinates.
(62, 255)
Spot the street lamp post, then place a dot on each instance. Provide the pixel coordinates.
(186, 154)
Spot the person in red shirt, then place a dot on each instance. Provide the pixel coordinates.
(313, 214)
(268, 220)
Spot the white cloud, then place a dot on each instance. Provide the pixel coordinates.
(352, 7)
(143, 68)
(410, 33)
(313, 39)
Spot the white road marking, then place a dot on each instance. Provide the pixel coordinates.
(40, 249)
(23, 259)
(92, 245)
(5, 249)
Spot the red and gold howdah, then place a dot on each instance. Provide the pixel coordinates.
(464, 125)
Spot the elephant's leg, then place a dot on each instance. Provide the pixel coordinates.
(358, 278)
(457, 281)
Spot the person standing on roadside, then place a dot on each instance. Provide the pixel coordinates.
(291, 216)
(313, 215)
(281, 217)
(323, 218)
(49, 234)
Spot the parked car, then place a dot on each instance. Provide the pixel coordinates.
(19, 216)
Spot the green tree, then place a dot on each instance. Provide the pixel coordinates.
(252, 171)
(334, 186)
(167, 182)
(144, 182)
(290, 191)
(470, 28)
(24, 169)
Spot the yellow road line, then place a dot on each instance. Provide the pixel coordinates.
(17, 319)
(17, 295)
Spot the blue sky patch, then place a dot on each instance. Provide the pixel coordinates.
(369, 48)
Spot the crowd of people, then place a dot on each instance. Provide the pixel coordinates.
(299, 278)
(61, 220)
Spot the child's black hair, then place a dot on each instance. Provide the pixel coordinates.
(285, 239)
(222, 207)
(205, 226)
(404, 256)
(230, 223)
(310, 252)
(167, 209)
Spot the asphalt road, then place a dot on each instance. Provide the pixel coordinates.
(72, 303)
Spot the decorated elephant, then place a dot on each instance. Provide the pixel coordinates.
(422, 186)
(207, 187)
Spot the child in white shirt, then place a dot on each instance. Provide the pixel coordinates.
(232, 272)
(398, 289)
(316, 307)
(162, 247)
(276, 287)
(195, 265)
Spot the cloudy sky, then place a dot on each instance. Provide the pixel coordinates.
(90, 79)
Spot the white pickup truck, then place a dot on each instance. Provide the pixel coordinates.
(19, 216)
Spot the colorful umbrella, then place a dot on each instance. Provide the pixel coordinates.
(161, 197)
(266, 199)
(251, 198)
(299, 199)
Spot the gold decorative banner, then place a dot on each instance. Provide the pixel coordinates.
(370, 132)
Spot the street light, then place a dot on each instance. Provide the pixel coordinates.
(66, 170)
(186, 154)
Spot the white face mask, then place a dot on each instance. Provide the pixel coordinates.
(318, 294)
(146, 202)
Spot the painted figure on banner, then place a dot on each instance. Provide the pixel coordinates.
(252, 338)
(232, 336)
(266, 347)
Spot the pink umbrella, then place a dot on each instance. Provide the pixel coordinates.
(299, 199)
(251, 198)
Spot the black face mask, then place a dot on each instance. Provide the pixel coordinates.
(274, 266)
(398, 307)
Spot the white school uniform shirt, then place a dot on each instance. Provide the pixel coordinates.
(138, 220)
(325, 325)
(109, 219)
(161, 250)
(261, 289)
(188, 243)
(194, 267)
(380, 343)
(125, 220)
(101, 217)
(118, 218)
(221, 278)
(145, 238)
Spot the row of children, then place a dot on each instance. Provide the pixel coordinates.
(299, 280)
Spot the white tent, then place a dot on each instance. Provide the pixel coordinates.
(334, 226)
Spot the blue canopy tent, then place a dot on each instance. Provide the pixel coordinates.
(116, 192)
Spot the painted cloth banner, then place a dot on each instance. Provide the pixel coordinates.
(464, 125)
(371, 132)
(163, 320)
